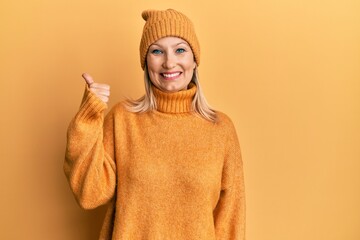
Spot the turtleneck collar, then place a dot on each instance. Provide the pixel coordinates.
(176, 102)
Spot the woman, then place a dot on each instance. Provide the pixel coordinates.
(167, 164)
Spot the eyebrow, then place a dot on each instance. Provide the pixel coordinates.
(172, 46)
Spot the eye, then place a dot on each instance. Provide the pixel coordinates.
(180, 50)
(156, 51)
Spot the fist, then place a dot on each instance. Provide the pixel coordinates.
(101, 90)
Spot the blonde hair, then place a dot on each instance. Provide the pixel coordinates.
(148, 101)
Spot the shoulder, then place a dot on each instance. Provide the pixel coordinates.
(228, 133)
(223, 119)
(118, 110)
(225, 124)
(119, 107)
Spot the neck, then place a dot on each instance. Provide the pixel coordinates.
(176, 102)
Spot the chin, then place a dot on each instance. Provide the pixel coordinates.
(171, 88)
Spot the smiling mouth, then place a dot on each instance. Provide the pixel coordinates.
(170, 76)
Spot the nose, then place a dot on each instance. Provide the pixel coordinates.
(169, 61)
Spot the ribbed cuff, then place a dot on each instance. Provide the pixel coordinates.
(91, 106)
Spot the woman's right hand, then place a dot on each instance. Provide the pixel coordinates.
(101, 90)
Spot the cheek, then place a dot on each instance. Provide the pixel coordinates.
(152, 72)
(150, 69)
(149, 61)
(189, 62)
(153, 64)
(190, 65)
(152, 75)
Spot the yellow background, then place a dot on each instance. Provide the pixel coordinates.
(286, 71)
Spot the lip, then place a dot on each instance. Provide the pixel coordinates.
(170, 78)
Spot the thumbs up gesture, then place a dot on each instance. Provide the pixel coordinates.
(101, 90)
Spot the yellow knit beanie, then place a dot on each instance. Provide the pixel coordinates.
(167, 23)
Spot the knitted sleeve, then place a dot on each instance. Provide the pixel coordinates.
(229, 214)
(89, 159)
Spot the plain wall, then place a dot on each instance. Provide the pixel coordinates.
(286, 72)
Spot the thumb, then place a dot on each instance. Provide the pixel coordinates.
(88, 79)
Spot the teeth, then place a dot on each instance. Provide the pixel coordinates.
(171, 75)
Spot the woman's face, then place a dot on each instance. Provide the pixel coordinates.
(170, 64)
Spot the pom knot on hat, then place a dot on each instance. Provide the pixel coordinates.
(167, 23)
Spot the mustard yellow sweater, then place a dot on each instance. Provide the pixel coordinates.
(166, 174)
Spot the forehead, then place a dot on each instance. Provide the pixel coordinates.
(170, 41)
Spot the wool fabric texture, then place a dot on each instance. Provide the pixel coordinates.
(165, 174)
(165, 23)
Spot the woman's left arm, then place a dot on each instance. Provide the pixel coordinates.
(229, 214)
